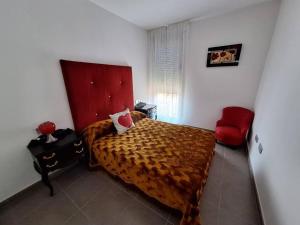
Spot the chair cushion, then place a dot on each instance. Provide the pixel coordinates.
(229, 135)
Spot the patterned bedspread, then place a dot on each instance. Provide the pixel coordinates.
(167, 162)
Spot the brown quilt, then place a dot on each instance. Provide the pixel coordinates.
(167, 162)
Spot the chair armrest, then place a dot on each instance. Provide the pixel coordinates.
(244, 130)
(221, 123)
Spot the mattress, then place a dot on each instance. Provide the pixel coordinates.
(167, 162)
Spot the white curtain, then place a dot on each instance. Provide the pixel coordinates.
(166, 59)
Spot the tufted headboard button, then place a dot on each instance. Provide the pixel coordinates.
(92, 82)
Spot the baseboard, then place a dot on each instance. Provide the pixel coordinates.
(18, 194)
(255, 187)
(32, 186)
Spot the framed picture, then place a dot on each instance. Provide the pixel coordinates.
(228, 55)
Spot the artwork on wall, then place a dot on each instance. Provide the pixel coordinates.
(228, 55)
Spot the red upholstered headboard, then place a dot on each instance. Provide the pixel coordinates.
(96, 90)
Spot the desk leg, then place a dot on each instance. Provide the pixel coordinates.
(45, 178)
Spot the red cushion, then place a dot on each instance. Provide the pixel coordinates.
(122, 121)
(125, 120)
(229, 135)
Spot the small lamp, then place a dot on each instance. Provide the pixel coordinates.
(47, 128)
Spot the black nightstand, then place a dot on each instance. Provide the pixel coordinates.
(49, 157)
(149, 110)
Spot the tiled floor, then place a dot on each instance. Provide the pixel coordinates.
(95, 198)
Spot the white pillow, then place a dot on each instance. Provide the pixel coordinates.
(122, 121)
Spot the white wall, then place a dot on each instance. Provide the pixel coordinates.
(277, 123)
(34, 36)
(208, 90)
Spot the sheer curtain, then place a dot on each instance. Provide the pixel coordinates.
(166, 55)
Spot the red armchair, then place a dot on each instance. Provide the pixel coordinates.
(232, 128)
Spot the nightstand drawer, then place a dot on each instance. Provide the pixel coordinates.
(49, 161)
(73, 152)
(49, 156)
(77, 143)
(78, 147)
(53, 165)
(79, 150)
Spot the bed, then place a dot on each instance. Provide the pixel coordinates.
(167, 162)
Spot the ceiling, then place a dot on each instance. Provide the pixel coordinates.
(149, 14)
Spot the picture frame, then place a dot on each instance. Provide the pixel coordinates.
(227, 55)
